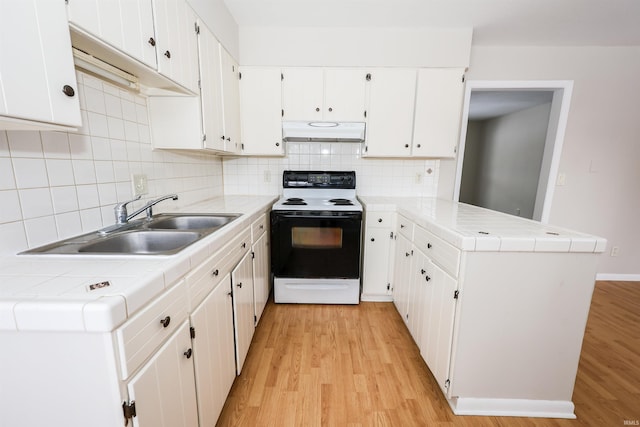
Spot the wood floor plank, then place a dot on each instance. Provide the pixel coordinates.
(328, 365)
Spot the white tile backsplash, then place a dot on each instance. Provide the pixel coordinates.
(379, 177)
(54, 185)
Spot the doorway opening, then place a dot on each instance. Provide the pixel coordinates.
(510, 145)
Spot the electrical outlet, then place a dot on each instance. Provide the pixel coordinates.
(140, 185)
(615, 250)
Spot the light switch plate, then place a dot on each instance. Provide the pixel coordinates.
(140, 186)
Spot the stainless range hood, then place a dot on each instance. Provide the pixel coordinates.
(323, 131)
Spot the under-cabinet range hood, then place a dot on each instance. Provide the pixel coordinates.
(323, 131)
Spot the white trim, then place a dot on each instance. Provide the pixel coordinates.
(513, 407)
(618, 277)
(376, 298)
(563, 88)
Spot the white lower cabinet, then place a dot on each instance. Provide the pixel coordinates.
(164, 389)
(377, 263)
(243, 309)
(426, 295)
(213, 347)
(261, 282)
(402, 275)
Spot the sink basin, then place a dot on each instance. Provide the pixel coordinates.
(190, 222)
(142, 242)
(164, 234)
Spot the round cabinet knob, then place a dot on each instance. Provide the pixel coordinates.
(330, 109)
(427, 278)
(167, 54)
(406, 145)
(373, 240)
(422, 271)
(379, 219)
(429, 245)
(418, 145)
(68, 90)
(215, 272)
(188, 353)
(152, 41)
(277, 144)
(222, 137)
(229, 138)
(165, 322)
(407, 254)
(317, 109)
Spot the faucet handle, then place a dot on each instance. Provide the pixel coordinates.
(121, 210)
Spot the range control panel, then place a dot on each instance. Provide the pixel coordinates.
(320, 179)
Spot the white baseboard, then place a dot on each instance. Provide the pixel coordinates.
(376, 298)
(513, 407)
(618, 277)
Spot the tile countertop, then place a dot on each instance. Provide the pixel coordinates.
(51, 292)
(464, 226)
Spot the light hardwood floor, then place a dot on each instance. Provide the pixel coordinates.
(327, 365)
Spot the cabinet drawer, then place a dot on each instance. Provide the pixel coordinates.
(143, 333)
(440, 252)
(379, 219)
(204, 278)
(258, 227)
(404, 227)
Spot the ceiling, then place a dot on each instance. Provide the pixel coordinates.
(488, 104)
(494, 22)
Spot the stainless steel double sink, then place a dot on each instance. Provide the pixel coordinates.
(163, 234)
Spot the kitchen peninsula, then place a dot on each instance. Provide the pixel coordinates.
(497, 304)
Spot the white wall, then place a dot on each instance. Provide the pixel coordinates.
(601, 153)
(505, 162)
(55, 185)
(340, 47)
(218, 19)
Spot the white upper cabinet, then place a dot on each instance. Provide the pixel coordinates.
(126, 25)
(230, 100)
(177, 42)
(439, 99)
(211, 90)
(323, 94)
(390, 112)
(38, 88)
(261, 111)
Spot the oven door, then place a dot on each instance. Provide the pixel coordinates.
(309, 244)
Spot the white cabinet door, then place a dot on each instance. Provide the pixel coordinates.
(230, 100)
(330, 94)
(437, 335)
(344, 95)
(302, 93)
(402, 275)
(261, 111)
(418, 303)
(375, 266)
(214, 351)
(261, 282)
(164, 390)
(211, 90)
(243, 310)
(37, 78)
(439, 100)
(390, 113)
(126, 25)
(176, 42)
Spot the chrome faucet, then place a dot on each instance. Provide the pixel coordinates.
(122, 216)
